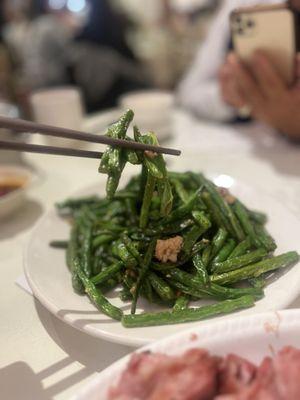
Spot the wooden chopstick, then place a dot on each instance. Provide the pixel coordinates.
(59, 151)
(20, 125)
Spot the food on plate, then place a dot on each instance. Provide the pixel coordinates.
(171, 238)
(197, 375)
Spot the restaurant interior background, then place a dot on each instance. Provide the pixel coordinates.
(103, 49)
(132, 44)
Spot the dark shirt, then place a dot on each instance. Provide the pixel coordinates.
(106, 28)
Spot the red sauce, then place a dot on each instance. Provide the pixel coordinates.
(9, 184)
(5, 189)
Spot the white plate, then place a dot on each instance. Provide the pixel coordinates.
(50, 280)
(253, 337)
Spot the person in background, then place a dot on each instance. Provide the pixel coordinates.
(218, 86)
(105, 27)
(47, 54)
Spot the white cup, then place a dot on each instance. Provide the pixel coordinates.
(153, 110)
(60, 106)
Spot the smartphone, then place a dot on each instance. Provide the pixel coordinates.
(271, 29)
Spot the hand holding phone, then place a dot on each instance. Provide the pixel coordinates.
(271, 29)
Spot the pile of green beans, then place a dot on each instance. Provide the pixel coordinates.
(113, 241)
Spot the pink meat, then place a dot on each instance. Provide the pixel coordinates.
(192, 376)
(276, 379)
(287, 371)
(198, 376)
(235, 374)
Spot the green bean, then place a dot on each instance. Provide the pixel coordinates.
(103, 167)
(217, 216)
(188, 315)
(199, 246)
(97, 265)
(123, 194)
(246, 223)
(145, 264)
(166, 199)
(125, 295)
(164, 291)
(120, 250)
(184, 209)
(137, 134)
(149, 189)
(112, 184)
(155, 164)
(132, 248)
(214, 291)
(59, 244)
(259, 282)
(218, 241)
(206, 255)
(113, 161)
(192, 236)
(257, 269)
(201, 219)
(258, 217)
(131, 208)
(132, 156)
(72, 259)
(195, 294)
(109, 285)
(180, 190)
(108, 273)
(234, 293)
(194, 287)
(102, 239)
(77, 203)
(267, 241)
(181, 303)
(87, 251)
(225, 251)
(239, 262)
(169, 229)
(202, 273)
(225, 208)
(241, 248)
(77, 284)
(147, 292)
(97, 297)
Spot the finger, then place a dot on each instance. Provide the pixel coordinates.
(224, 72)
(268, 78)
(247, 86)
(237, 98)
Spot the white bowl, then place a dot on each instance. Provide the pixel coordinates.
(253, 337)
(13, 200)
(152, 108)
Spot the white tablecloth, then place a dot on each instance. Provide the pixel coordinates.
(41, 357)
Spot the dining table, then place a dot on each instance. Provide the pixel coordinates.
(42, 358)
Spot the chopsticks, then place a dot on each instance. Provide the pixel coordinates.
(58, 151)
(20, 125)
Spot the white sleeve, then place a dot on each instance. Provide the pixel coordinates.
(199, 90)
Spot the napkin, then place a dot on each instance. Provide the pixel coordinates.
(23, 284)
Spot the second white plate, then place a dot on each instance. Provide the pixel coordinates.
(50, 280)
